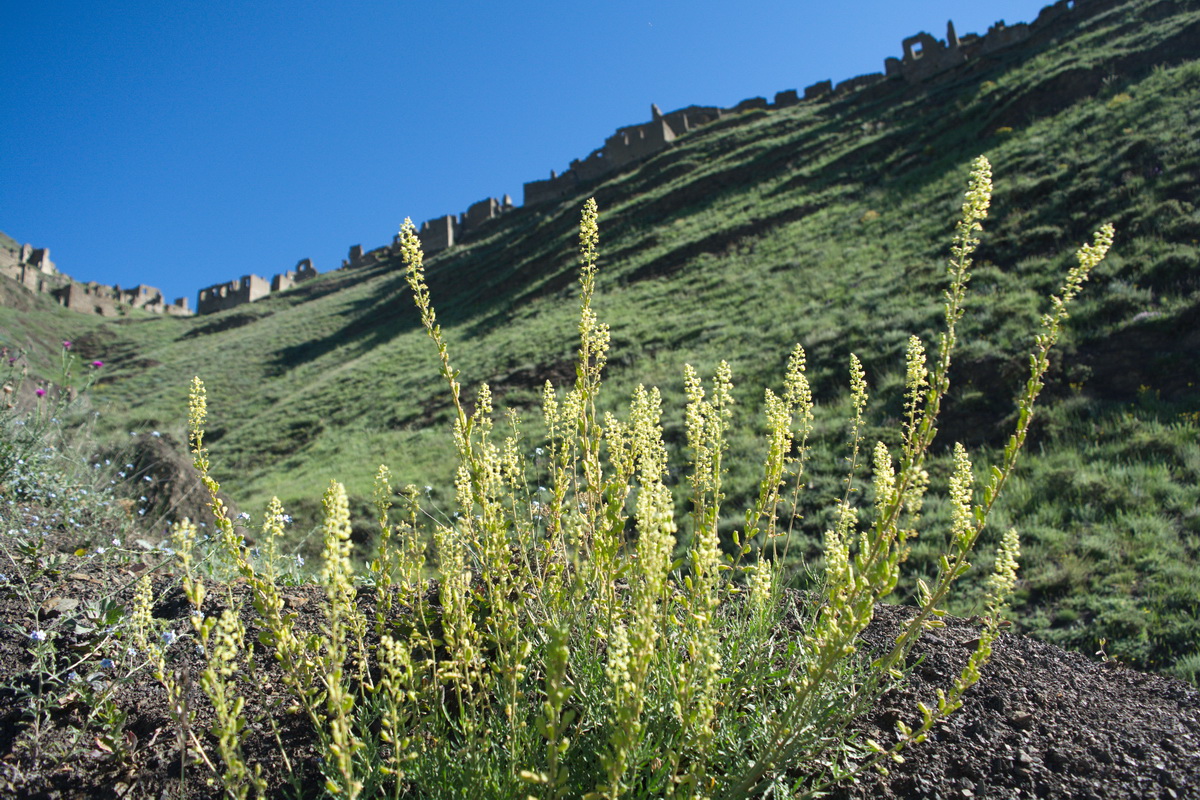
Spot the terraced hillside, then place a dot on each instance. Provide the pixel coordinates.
(826, 224)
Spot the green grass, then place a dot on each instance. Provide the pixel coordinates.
(819, 224)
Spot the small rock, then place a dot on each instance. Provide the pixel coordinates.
(1055, 759)
(1021, 720)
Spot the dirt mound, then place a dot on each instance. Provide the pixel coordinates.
(157, 467)
(1042, 722)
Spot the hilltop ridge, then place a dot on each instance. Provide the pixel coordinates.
(925, 59)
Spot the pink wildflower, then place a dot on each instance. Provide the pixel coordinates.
(97, 364)
(40, 392)
(66, 344)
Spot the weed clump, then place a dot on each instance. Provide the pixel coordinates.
(579, 639)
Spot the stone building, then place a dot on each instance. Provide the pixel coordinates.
(285, 280)
(29, 266)
(479, 213)
(221, 296)
(32, 268)
(818, 90)
(89, 298)
(438, 234)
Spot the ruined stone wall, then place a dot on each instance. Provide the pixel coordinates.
(222, 296)
(556, 188)
(594, 166)
(438, 234)
(32, 268)
(248, 288)
(31, 278)
(751, 104)
(142, 296)
(442, 232)
(29, 266)
(285, 280)
(10, 252)
(88, 298)
(685, 119)
(479, 213)
(38, 258)
(786, 98)
(634, 143)
(818, 90)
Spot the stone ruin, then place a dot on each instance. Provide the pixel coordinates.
(107, 301)
(285, 280)
(222, 296)
(630, 144)
(32, 268)
(248, 288)
(29, 266)
(440, 233)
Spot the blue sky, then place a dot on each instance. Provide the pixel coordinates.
(184, 143)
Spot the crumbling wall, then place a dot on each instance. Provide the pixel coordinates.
(998, 37)
(38, 258)
(636, 142)
(222, 296)
(685, 119)
(438, 234)
(30, 266)
(557, 187)
(479, 213)
(818, 90)
(786, 98)
(142, 296)
(285, 280)
(596, 165)
(88, 298)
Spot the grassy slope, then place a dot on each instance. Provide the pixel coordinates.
(825, 224)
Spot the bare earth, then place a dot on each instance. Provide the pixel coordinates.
(1042, 722)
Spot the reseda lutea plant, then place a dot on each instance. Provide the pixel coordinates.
(579, 641)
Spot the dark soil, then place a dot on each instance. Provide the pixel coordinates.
(1042, 722)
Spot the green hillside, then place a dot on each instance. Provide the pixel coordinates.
(825, 224)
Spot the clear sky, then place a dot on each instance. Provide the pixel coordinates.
(185, 143)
